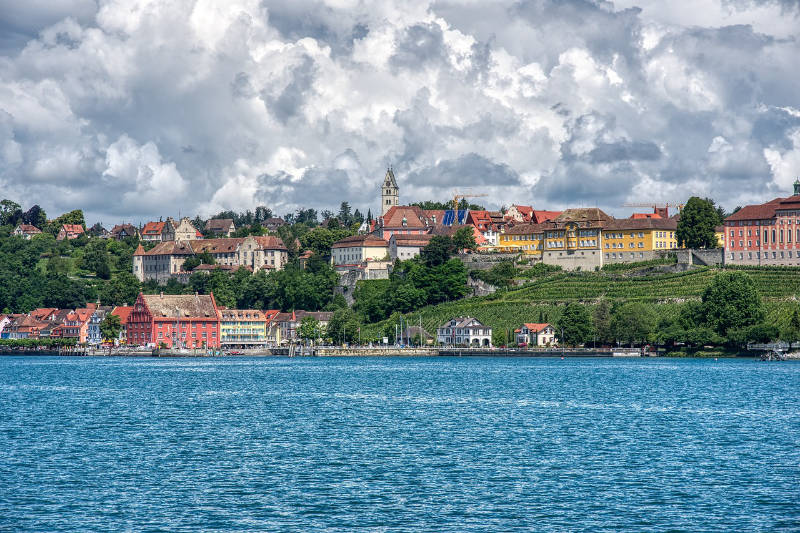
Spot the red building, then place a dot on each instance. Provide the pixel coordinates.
(69, 231)
(765, 234)
(189, 321)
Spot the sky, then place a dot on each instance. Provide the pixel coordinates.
(138, 109)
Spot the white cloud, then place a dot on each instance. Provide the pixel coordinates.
(197, 106)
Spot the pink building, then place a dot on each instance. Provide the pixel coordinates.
(765, 234)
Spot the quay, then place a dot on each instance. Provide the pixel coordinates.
(335, 351)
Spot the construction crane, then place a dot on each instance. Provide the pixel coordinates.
(655, 206)
(457, 196)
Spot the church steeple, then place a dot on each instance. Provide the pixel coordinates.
(390, 192)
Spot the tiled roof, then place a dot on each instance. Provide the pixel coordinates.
(646, 215)
(241, 314)
(123, 312)
(535, 327)
(402, 239)
(139, 250)
(28, 228)
(270, 243)
(130, 229)
(171, 248)
(360, 240)
(413, 215)
(72, 228)
(537, 217)
(219, 224)
(527, 229)
(181, 305)
(666, 224)
(766, 210)
(581, 214)
(465, 322)
(43, 313)
(153, 228)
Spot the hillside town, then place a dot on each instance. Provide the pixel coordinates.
(573, 239)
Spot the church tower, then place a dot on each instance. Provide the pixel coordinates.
(390, 193)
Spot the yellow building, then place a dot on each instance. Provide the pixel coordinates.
(719, 231)
(242, 327)
(638, 239)
(572, 240)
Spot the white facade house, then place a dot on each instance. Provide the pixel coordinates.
(405, 247)
(358, 249)
(536, 334)
(464, 331)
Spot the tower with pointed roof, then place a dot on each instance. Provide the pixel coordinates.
(390, 192)
(138, 267)
(797, 186)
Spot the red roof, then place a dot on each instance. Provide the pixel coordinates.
(27, 228)
(72, 228)
(646, 215)
(43, 313)
(537, 217)
(534, 327)
(139, 250)
(123, 312)
(153, 228)
(360, 240)
(413, 216)
(766, 210)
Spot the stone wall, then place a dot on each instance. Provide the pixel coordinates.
(608, 257)
(711, 256)
(484, 261)
(573, 260)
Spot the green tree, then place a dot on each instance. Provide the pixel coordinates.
(633, 322)
(464, 238)
(343, 326)
(10, 213)
(791, 332)
(310, 328)
(696, 226)
(123, 289)
(601, 318)
(35, 216)
(73, 217)
(731, 302)
(320, 240)
(110, 327)
(191, 262)
(438, 250)
(95, 259)
(574, 326)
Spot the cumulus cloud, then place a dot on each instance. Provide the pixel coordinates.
(137, 109)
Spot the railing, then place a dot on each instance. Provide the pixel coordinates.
(779, 346)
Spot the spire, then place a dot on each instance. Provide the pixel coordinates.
(139, 250)
(797, 186)
(389, 179)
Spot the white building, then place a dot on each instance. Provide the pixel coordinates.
(464, 331)
(536, 334)
(358, 249)
(166, 259)
(405, 247)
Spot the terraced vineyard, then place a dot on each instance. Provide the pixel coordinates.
(778, 287)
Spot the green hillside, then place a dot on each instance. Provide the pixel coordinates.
(545, 297)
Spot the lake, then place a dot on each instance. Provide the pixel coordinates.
(399, 444)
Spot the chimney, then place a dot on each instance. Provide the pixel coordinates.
(162, 294)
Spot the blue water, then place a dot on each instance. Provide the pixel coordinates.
(399, 444)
